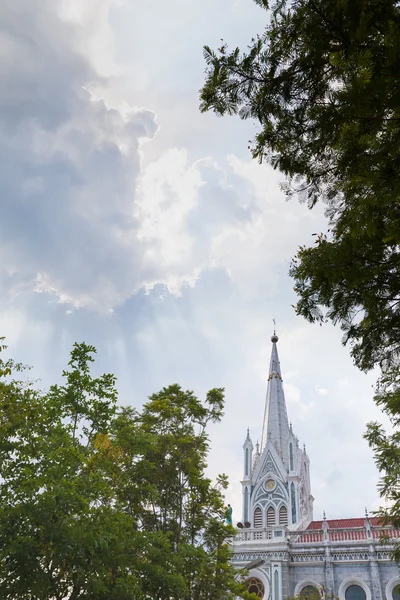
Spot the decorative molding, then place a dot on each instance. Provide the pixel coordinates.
(267, 556)
(350, 555)
(307, 557)
(384, 555)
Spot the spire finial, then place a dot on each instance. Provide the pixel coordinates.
(274, 337)
(366, 513)
(324, 516)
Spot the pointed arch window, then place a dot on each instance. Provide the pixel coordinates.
(270, 516)
(247, 462)
(246, 504)
(283, 516)
(276, 585)
(258, 518)
(291, 456)
(293, 498)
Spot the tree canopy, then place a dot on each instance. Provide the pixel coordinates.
(322, 82)
(106, 502)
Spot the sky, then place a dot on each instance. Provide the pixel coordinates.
(132, 222)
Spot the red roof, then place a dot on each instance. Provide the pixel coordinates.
(344, 523)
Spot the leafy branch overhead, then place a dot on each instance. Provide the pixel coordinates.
(322, 82)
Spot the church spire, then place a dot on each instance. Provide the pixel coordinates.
(275, 426)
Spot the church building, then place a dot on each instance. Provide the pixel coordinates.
(286, 552)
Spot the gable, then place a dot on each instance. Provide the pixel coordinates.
(271, 463)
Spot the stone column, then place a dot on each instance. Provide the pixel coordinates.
(375, 576)
(285, 577)
(373, 564)
(329, 577)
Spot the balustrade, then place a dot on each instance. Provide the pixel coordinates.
(313, 536)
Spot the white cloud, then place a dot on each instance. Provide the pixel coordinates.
(83, 219)
(99, 204)
(321, 391)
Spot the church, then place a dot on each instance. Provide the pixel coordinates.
(284, 552)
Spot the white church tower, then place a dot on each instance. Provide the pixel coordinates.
(282, 552)
(276, 484)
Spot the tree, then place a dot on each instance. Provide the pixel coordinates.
(179, 500)
(103, 502)
(322, 81)
(59, 536)
(386, 448)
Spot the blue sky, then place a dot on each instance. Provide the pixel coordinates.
(134, 223)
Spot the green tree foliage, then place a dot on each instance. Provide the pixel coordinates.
(103, 502)
(386, 448)
(322, 81)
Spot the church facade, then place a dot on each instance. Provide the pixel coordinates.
(284, 551)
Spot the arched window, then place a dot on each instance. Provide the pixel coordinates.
(310, 592)
(291, 456)
(283, 517)
(255, 586)
(247, 462)
(293, 498)
(258, 518)
(270, 516)
(246, 504)
(396, 592)
(355, 592)
(276, 585)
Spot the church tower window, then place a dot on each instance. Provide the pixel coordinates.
(283, 516)
(246, 504)
(291, 456)
(276, 585)
(258, 518)
(270, 516)
(247, 462)
(293, 498)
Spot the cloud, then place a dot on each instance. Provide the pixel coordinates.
(321, 391)
(187, 255)
(81, 217)
(68, 161)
